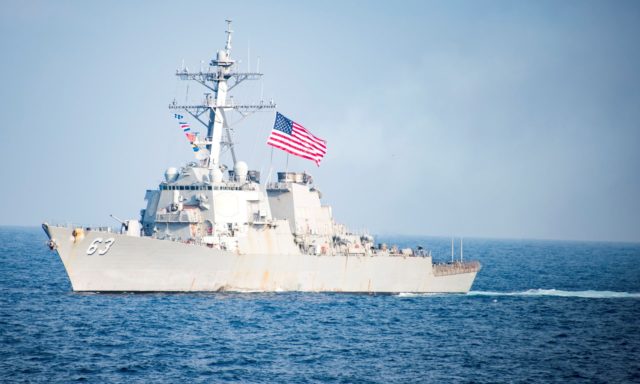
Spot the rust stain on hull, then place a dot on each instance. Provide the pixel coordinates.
(265, 280)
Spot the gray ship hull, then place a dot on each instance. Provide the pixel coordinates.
(143, 264)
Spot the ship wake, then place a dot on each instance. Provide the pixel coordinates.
(589, 294)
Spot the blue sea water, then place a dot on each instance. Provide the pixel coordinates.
(539, 311)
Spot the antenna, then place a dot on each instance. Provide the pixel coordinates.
(452, 249)
(261, 81)
(228, 32)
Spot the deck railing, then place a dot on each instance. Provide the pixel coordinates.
(455, 268)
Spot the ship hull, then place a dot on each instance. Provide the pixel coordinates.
(143, 264)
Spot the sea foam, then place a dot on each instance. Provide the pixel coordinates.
(589, 294)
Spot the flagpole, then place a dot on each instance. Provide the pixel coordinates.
(286, 169)
(270, 167)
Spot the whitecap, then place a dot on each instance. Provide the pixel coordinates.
(413, 294)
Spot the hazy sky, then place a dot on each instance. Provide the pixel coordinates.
(474, 118)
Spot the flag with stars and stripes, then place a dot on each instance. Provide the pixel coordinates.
(293, 138)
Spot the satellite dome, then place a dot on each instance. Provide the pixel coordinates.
(241, 169)
(171, 174)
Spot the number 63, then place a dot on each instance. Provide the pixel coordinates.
(96, 243)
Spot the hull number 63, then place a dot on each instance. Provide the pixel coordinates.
(104, 246)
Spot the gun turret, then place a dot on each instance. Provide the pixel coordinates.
(125, 224)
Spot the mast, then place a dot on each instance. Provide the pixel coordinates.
(219, 79)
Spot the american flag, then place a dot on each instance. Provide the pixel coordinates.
(293, 138)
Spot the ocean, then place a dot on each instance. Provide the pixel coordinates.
(539, 311)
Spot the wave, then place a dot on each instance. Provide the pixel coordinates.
(560, 293)
(412, 294)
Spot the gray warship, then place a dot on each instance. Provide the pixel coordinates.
(209, 227)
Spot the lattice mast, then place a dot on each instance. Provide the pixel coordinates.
(220, 78)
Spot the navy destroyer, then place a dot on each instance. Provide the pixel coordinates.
(213, 227)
